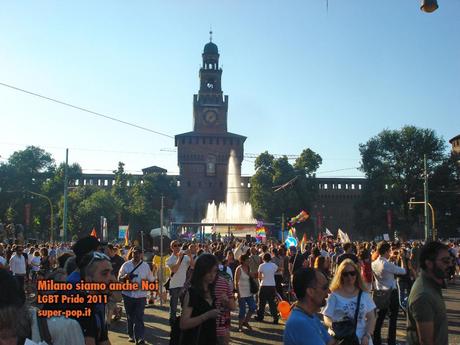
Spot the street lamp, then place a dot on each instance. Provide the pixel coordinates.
(429, 6)
(51, 211)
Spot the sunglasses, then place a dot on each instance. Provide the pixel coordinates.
(349, 274)
(98, 256)
(176, 245)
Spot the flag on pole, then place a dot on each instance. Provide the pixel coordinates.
(342, 236)
(93, 233)
(127, 236)
(328, 233)
(304, 239)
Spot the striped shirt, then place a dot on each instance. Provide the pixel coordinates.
(222, 288)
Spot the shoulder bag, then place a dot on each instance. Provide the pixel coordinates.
(345, 331)
(381, 298)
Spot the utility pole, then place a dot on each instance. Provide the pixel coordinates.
(425, 200)
(282, 227)
(161, 250)
(66, 182)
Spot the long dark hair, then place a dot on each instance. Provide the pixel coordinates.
(203, 265)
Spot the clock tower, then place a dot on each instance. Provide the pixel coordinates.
(210, 105)
(203, 154)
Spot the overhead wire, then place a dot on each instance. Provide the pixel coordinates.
(86, 110)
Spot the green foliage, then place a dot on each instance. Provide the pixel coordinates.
(308, 162)
(100, 203)
(33, 170)
(393, 164)
(10, 215)
(279, 187)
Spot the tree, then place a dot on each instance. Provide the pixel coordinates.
(25, 172)
(99, 203)
(294, 185)
(120, 190)
(444, 195)
(393, 163)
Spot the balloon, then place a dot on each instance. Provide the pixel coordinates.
(284, 309)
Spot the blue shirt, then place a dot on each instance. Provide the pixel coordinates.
(302, 329)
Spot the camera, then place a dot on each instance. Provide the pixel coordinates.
(131, 276)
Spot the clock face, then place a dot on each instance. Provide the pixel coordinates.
(210, 116)
(210, 84)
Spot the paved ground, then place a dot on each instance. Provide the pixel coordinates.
(266, 333)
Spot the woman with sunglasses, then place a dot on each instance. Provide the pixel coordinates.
(342, 302)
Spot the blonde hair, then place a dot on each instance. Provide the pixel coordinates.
(337, 282)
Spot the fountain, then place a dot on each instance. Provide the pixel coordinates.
(234, 210)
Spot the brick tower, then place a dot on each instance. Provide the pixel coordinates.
(203, 154)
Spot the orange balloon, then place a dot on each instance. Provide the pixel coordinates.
(284, 309)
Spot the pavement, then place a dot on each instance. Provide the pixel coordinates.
(266, 333)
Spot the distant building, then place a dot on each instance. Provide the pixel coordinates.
(455, 142)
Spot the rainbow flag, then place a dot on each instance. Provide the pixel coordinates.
(261, 232)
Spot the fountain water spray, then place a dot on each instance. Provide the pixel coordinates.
(234, 210)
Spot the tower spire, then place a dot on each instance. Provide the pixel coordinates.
(210, 34)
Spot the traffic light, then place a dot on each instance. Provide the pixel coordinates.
(411, 205)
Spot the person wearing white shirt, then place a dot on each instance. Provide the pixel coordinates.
(267, 292)
(384, 272)
(18, 265)
(135, 271)
(178, 263)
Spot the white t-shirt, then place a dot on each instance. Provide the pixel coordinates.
(268, 270)
(18, 264)
(228, 270)
(178, 279)
(35, 263)
(339, 308)
(143, 273)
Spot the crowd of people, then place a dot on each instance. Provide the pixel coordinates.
(339, 293)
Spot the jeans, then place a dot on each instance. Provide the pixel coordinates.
(242, 306)
(279, 286)
(173, 300)
(20, 280)
(267, 294)
(393, 311)
(135, 315)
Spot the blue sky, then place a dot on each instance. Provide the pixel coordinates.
(297, 74)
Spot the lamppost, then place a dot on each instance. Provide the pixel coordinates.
(429, 6)
(51, 211)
